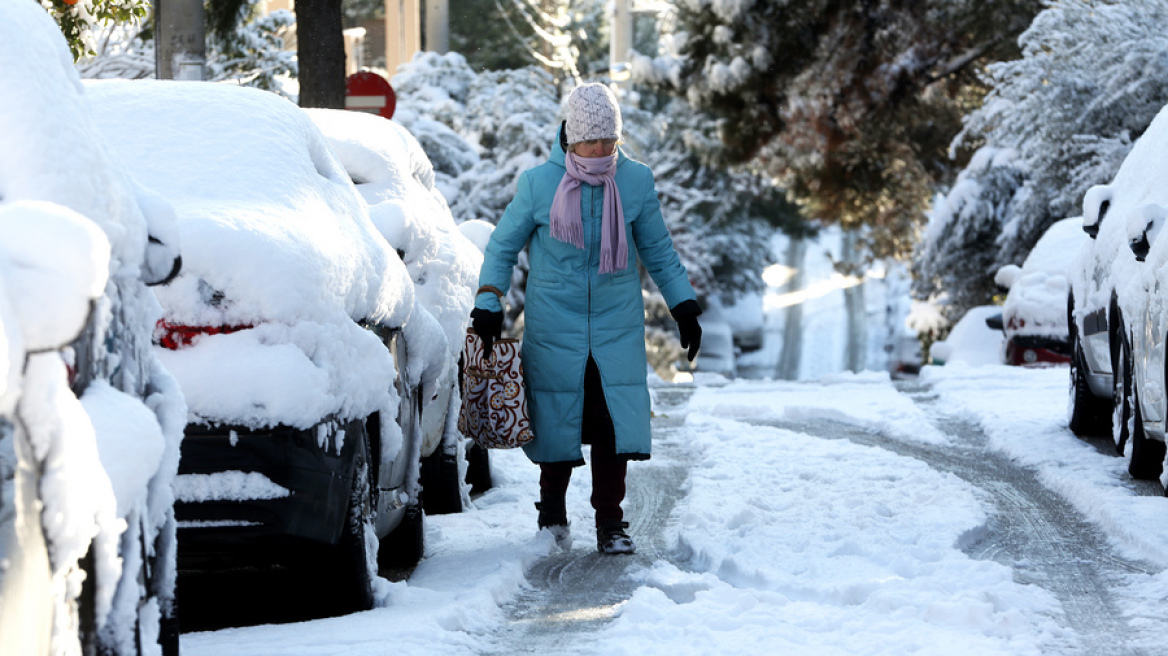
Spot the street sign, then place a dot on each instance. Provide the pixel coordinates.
(367, 91)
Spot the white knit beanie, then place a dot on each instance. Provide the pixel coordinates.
(593, 113)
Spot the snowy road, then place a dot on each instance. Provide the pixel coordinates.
(853, 515)
(1039, 534)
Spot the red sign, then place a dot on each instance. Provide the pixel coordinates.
(369, 92)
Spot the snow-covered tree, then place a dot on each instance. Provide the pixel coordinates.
(955, 262)
(851, 104)
(1092, 76)
(250, 53)
(253, 52)
(119, 52)
(81, 20)
(721, 219)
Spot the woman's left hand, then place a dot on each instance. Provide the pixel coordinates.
(686, 314)
(691, 335)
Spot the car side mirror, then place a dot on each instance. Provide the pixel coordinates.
(1096, 202)
(1151, 216)
(1007, 276)
(1140, 246)
(994, 321)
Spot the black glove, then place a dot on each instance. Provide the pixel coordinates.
(686, 314)
(488, 325)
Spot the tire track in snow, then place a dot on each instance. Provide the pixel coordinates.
(577, 592)
(1032, 530)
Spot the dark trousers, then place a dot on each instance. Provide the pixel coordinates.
(608, 469)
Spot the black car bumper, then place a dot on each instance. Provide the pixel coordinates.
(314, 467)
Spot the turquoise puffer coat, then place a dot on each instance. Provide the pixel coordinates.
(572, 310)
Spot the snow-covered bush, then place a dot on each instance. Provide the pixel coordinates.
(480, 130)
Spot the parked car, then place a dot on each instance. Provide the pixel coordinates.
(90, 422)
(971, 340)
(1109, 309)
(1140, 202)
(1034, 317)
(396, 179)
(291, 332)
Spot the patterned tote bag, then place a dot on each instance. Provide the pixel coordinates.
(494, 400)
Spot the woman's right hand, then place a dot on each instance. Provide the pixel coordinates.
(488, 325)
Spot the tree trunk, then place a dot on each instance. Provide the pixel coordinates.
(320, 47)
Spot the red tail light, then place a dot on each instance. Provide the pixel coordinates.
(174, 336)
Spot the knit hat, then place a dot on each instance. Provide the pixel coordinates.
(593, 113)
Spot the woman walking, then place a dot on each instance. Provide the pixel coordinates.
(588, 213)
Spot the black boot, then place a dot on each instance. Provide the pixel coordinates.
(554, 517)
(611, 538)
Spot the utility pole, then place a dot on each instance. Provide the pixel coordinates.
(180, 45)
(438, 26)
(403, 33)
(620, 40)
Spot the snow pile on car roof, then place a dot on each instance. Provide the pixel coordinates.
(272, 229)
(275, 238)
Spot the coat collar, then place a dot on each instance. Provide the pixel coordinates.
(557, 155)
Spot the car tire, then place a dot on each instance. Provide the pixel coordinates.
(441, 488)
(478, 468)
(1088, 414)
(343, 578)
(404, 546)
(1147, 455)
(1121, 412)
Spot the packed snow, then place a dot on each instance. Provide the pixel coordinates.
(784, 542)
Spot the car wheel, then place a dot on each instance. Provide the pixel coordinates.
(343, 577)
(1089, 414)
(478, 468)
(1147, 455)
(403, 547)
(1121, 393)
(441, 488)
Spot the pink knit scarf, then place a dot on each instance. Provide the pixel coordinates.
(567, 224)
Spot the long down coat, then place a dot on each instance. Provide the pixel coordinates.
(572, 310)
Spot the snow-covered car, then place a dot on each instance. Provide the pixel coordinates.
(1109, 299)
(1139, 201)
(396, 179)
(90, 422)
(301, 447)
(971, 340)
(1034, 317)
